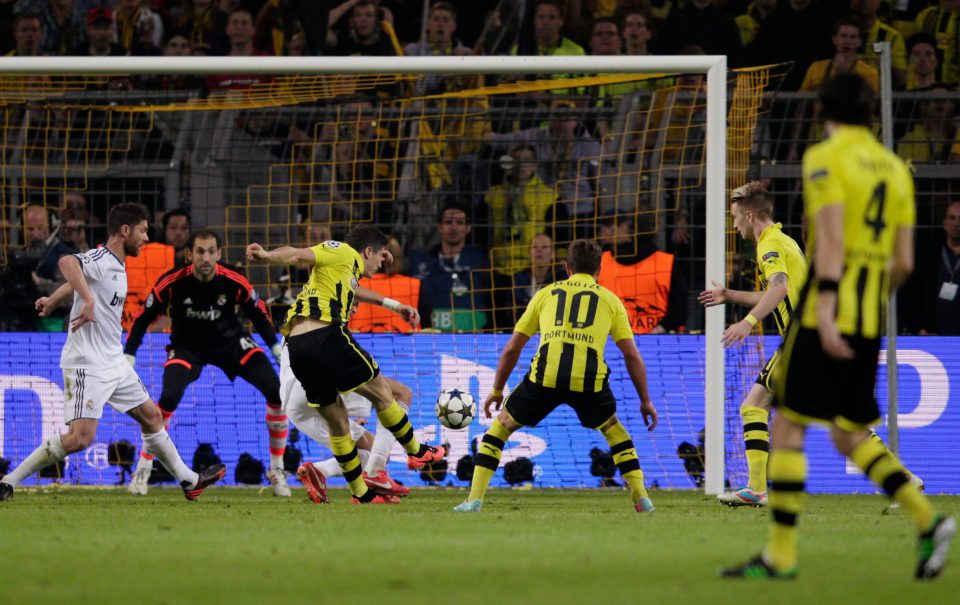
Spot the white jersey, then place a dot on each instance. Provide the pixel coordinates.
(97, 344)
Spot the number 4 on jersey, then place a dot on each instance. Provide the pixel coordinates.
(873, 216)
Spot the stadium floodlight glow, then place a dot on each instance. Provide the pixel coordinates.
(715, 68)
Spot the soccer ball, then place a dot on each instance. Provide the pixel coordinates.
(456, 409)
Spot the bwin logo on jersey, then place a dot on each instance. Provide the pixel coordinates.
(208, 315)
(117, 300)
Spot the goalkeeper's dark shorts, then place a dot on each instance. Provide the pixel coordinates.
(530, 403)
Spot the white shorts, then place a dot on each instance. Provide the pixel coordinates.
(306, 418)
(87, 390)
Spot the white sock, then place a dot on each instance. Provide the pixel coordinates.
(145, 463)
(161, 446)
(331, 468)
(47, 453)
(383, 443)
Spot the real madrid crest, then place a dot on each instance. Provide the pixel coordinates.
(222, 300)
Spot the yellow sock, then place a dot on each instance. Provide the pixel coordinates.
(882, 467)
(395, 420)
(487, 459)
(345, 452)
(756, 439)
(625, 457)
(788, 472)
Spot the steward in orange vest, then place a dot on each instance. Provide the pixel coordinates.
(142, 272)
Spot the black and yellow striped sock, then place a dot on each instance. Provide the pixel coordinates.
(625, 456)
(345, 451)
(882, 467)
(488, 458)
(788, 473)
(394, 418)
(756, 439)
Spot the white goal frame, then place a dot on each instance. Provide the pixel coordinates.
(715, 68)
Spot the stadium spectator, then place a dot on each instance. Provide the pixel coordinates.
(347, 188)
(6, 26)
(933, 137)
(73, 231)
(648, 281)
(749, 22)
(392, 283)
(176, 45)
(875, 30)
(454, 285)
(101, 33)
(512, 295)
(605, 37)
(139, 29)
(567, 156)
(441, 25)
(62, 24)
(27, 34)
(636, 32)
(943, 23)
(296, 44)
(847, 38)
(518, 209)
(274, 26)
(366, 36)
(939, 276)
(176, 231)
(42, 244)
(797, 31)
(549, 17)
(922, 51)
(704, 24)
(143, 270)
(240, 32)
(206, 27)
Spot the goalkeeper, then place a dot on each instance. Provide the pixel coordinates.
(203, 299)
(782, 268)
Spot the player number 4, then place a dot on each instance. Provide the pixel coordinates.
(873, 217)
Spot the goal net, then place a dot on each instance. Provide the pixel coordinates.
(511, 157)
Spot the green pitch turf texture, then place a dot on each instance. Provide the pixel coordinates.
(237, 547)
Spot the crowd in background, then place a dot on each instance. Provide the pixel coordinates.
(492, 248)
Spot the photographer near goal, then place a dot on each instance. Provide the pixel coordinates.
(204, 298)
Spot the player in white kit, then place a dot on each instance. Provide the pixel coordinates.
(95, 371)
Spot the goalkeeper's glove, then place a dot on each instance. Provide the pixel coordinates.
(275, 349)
(132, 359)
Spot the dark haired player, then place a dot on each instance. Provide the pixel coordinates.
(94, 371)
(204, 299)
(325, 358)
(574, 317)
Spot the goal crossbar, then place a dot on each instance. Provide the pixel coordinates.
(715, 68)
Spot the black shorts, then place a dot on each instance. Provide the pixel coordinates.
(812, 386)
(765, 379)
(230, 357)
(530, 403)
(328, 361)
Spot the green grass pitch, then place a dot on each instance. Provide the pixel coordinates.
(242, 547)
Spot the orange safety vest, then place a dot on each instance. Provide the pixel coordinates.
(643, 287)
(143, 271)
(371, 318)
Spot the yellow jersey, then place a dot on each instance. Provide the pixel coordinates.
(574, 318)
(777, 252)
(876, 190)
(328, 294)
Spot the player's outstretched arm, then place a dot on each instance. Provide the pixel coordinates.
(773, 296)
(46, 304)
(508, 361)
(284, 255)
(720, 295)
(409, 314)
(72, 271)
(638, 375)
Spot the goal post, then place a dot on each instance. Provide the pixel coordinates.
(715, 147)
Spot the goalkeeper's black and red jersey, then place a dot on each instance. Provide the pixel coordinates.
(204, 315)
